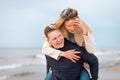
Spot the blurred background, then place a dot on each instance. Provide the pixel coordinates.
(22, 23)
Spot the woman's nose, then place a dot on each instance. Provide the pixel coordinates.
(72, 28)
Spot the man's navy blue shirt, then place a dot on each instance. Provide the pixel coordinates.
(65, 69)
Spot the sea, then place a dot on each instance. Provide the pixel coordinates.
(30, 64)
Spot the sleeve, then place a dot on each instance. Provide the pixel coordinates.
(48, 50)
(89, 43)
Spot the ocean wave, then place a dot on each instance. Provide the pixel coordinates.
(4, 77)
(23, 64)
(39, 57)
(11, 66)
(19, 74)
(108, 52)
(35, 56)
(108, 58)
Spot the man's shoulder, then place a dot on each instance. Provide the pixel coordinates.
(67, 41)
(70, 44)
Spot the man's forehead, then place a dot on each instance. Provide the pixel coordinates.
(54, 33)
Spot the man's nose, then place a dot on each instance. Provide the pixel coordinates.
(58, 39)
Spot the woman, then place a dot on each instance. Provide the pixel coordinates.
(77, 31)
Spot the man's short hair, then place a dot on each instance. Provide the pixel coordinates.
(49, 29)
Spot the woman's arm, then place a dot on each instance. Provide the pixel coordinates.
(48, 50)
(56, 54)
(89, 43)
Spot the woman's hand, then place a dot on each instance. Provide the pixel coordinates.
(77, 22)
(71, 54)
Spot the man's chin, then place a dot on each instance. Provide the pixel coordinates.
(61, 46)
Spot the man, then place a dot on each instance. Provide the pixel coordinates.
(65, 69)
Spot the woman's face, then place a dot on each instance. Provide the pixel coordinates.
(70, 26)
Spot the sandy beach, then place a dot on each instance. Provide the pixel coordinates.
(30, 65)
(110, 73)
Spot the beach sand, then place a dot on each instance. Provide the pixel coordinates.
(36, 73)
(108, 73)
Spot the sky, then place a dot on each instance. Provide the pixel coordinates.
(22, 22)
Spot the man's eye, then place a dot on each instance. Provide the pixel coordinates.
(53, 38)
(59, 36)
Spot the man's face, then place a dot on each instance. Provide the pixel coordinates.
(56, 39)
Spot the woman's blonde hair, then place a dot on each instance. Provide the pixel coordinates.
(68, 14)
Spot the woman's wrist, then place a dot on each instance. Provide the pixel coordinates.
(62, 54)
